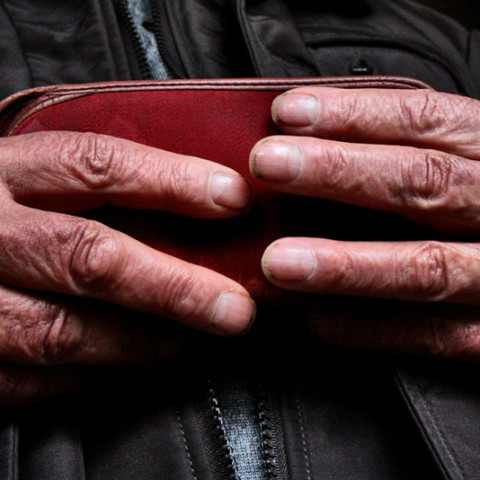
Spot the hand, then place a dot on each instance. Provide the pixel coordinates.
(45, 254)
(412, 152)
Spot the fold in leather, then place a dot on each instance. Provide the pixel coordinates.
(445, 401)
(59, 40)
(202, 39)
(16, 74)
(274, 41)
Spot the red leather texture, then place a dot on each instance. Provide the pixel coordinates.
(218, 121)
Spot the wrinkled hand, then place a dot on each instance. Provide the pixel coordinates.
(43, 251)
(412, 152)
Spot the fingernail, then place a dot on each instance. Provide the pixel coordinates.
(289, 263)
(234, 314)
(279, 161)
(329, 328)
(229, 190)
(295, 109)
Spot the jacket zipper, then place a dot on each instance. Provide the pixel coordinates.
(218, 451)
(273, 446)
(164, 52)
(135, 40)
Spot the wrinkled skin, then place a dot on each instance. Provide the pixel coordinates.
(412, 152)
(56, 269)
(415, 153)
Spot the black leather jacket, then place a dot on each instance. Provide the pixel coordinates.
(319, 413)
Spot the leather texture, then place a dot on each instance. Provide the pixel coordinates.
(217, 120)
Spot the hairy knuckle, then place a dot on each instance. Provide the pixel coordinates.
(427, 180)
(430, 271)
(97, 159)
(92, 255)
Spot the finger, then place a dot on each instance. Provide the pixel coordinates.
(66, 171)
(427, 185)
(412, 117)
(436, 331)
(36, 329)
(20, 384)
(56, 252)
(416, 271)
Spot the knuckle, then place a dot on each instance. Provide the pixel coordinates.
(41, 332)
(91, 256)
(424, 112)
(449, 337)
(349, 111)
(336, 167)
(97, 159)
(438, 344)
(427, 180)
(346, 273)
(55, 336)
(181, 294)
(466, 342)
(429, 271)
(180, 182)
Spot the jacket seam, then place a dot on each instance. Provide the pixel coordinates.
(185, 444)
(429, 410)
(301, 423)
(13, 468)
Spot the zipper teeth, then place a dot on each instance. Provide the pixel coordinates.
(134, 36)
(227, 467)
(268, 438)
(272, 434)
(162, 50)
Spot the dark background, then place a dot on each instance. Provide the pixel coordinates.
(466, 12)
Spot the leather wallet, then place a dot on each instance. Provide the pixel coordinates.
(219, 120)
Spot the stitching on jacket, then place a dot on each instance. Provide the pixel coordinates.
(443, 438)
(185, 444)
(13, 467)
(429, 411)
(223, 446)
(306, 456)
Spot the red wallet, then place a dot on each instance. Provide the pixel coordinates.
(219, 120)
